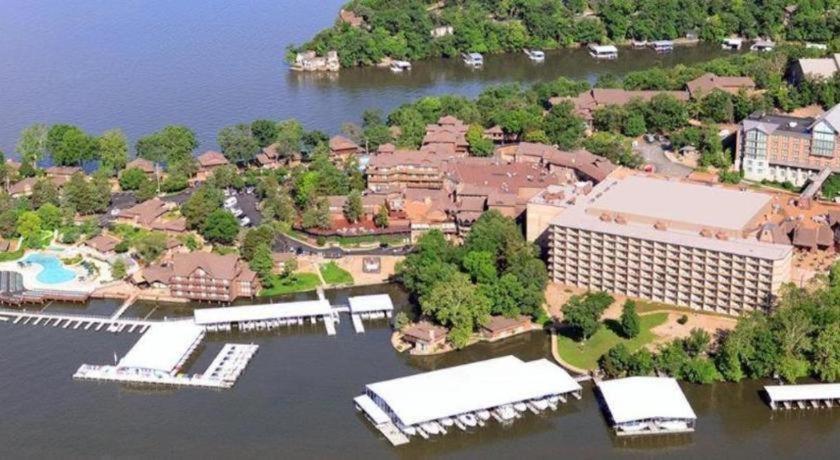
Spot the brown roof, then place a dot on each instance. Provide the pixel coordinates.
(178, 224)
(810, 236)
(22, 186)
(425, 331)
(211, 158)
(708, 82)
(386, 148)
(449, 120)
(772, 233)
(339, 143)
(587, 101)
(102, 243)
(497, 324)
(535, 149)
(227, 267)
(583, 161)
(495, 129)
(62, 170)
(146, 212)
(414, 158)
(142, 164)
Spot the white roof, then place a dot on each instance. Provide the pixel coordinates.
(163, 346)
(471, 387)
(803, 392)
(262, 312)
(365, 303)
(374, 412)
(603, 48)
(641, 398)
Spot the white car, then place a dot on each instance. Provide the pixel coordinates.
(237, 212)
(245, 222)
(230, 202)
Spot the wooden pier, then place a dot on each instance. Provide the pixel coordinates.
(76, 321)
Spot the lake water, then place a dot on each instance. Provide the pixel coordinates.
(295, 401)
(140, 65)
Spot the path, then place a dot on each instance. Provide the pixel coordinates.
(129, 301)
(654, 154)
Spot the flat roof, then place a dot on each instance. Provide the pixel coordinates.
(803, 392)
(262, 312)
(366, 303)
(163, 347)
(683, 202)
(371, 409)
(640, 398)
(471, 387)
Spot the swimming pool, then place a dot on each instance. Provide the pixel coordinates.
(53, 272)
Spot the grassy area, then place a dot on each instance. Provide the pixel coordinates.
(11, 255)
(585, 354)
(298, 282)
(333, 274)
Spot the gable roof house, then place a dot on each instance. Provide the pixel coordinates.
(204, 276)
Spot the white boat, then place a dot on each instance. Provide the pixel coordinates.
(399, 66)
(732, 44)
(430, 427)
(422, 433)
(672, 425)
(468, 420)
(459, 424)
(662, 46)
(552, 404)
(535, 55)
(633, 427)
(473, 59)
(446, 421)
(533, 408)
(505, 413)
(483, 415)
(540, 404)
(603, 51)
(520, 407)
(409, 430)
(762, 45)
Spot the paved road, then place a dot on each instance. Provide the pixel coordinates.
(654, 155)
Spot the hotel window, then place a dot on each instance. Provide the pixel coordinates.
(755, 145)
(823, 141)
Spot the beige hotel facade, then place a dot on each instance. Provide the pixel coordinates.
(670, 241)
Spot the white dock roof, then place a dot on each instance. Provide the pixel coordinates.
(641, 398)
(813, 391)
(371, 409)
(368, 303)
(262, 312)
(163, 347)
(471, 387)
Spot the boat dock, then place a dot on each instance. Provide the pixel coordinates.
(370, 307)
(76, 321)
(266, 316)
(808, 396)
(432, 403)
(638, 406)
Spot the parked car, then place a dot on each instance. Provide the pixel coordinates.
(245, 222)
(237, 212)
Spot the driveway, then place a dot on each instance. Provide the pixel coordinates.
(653, 154)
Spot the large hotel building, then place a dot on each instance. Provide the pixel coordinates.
(786, 148)
(670, 241)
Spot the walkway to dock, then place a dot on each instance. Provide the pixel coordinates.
(129, 301)
(75, 321)
(357, 324)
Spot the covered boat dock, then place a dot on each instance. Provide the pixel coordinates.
(266, 316)
(647, 405)
(375, 306)
(807, 396)
(467, 396)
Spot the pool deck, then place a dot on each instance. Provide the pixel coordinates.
(30, 274)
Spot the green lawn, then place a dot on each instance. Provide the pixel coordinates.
(11, 255)
(585, 355)
(333, 274)
(298, 282)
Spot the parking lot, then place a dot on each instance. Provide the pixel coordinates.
(243, 204)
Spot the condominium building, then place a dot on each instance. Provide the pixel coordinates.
(204, 276)
(401, 169)
(787, 148)
(669, 241)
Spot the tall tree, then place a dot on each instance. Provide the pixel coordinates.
(69, 145)
(220, 227)
(353, 209)
(457, 303)
(238, 143)
(629, 320)
(264, 131)
(171, 144)
(32, 145)
(112, 147)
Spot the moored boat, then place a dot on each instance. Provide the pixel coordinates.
(535, 55)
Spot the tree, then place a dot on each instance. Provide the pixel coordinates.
(382, 219)
(481, 266)
(112, 150)
(718, 107)
(170, 144)
(147, 190)
(353, 209)
(238, 143)
(563, 127)
(200, 204)
(44, 191)
(289, 267)
(118, 269)
(132, 179)
(69, 145)
(227, 176)
(174, 182)
(629, 321)
(583, 312)
(697, 342)
(317, 216)
(220, 227)
(641, 363)
(665, 113)
(616, 361)
(699, 370)
(50, 215)
(264, 131)
(29, 227)
(150, 246)
(505, 296)
(827, 353)
(456, 303)
(480, 146)
(262, 263)
(32, 145)
(262, 235)
(401, 320)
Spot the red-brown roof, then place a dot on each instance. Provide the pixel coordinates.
(146, 212)
(425, 331)
(708, 82)
(227, 267)
(584, 162)
(211, 158)
(340, 143)
(102, 243)
(142, 164)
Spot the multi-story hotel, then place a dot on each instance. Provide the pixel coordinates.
(204, 276)
(394, 170)
(668, 241)
(786, 148)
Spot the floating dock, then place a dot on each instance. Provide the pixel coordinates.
(464, 397)
(160, 354)
(647, 405)
(265, 316)
(808, 396)
(372, 307)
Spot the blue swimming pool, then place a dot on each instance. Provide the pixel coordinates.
(53, 272)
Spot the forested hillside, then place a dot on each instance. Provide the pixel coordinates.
(370, 30)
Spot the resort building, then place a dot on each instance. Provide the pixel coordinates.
(815, 69)
(646, 405)
(342, 148)
(786, 148)
(25, 186)
(152, 214)
(500, 327)
(706, 83)
(207, 163)
(586, 103)
(424, 336)
(548, 204)
(671, 242)
(102, 243)
(447, 136)
(203, 276)
(401, 169)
